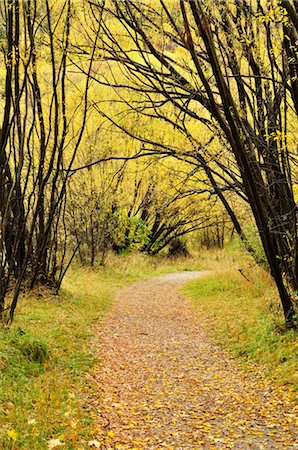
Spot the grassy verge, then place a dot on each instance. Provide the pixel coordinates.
(242, 313)
(43, 358)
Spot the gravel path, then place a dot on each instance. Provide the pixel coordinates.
(163, 384)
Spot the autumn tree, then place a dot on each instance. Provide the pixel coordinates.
(130, 205)
(91, 217)
(43, 123)
(230, 67)
(162, 206)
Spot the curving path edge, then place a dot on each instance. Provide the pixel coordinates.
(162, 383)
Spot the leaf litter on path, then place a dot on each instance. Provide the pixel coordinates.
(162, 383)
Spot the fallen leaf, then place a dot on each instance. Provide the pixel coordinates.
(12, 434)
(53, 443)
(31, 421)
(94, 443)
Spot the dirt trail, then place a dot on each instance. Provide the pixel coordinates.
(163, 384)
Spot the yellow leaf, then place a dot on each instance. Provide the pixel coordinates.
(12, 434)
(111, 434)
(73, 424)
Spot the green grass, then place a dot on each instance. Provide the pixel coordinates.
(47, 352)
(245, 317)
(41, 393)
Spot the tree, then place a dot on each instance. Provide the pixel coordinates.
(42, 128)
(129, 206)
(229, 66)
(90, 211)
(162, 207)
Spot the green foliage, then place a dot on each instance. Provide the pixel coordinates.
(140, 232)
(130, 233)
